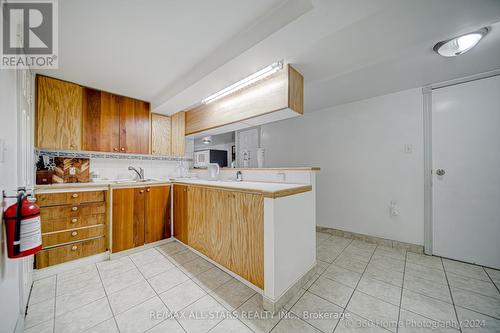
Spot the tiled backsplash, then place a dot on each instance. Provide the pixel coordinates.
(115, 166)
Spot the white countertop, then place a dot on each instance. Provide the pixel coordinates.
(269, 189)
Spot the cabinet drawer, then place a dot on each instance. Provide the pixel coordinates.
(69, 252)
(72, 222)
(67, 198)
(72, 211)
(72, 235)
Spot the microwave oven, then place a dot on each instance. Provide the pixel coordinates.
(203, 157)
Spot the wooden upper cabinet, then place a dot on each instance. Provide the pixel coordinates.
(58, 114)
(101, 119)
(178, 133)
(157, 213)
(134, 126)
(161, 134)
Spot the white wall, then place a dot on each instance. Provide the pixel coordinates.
(360, 149)
(9, 269)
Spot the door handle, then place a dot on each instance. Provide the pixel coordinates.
(440, 172)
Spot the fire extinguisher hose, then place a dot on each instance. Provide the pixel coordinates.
(17, 230)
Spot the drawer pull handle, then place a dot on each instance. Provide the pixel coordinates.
(148, 190)
(75, 195)
(74, 248)
(141, 191)
(74, 209)
(74, 220)
(74, 233)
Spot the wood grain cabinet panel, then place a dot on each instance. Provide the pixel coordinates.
(128, 218)
(140, 215)
(69, 252)
(247, 233)
(58, 114)
(226, 226)
(158, 213)
(69, 236)
(65, 198)
(180, 213)
(219, 211)
(161, 134)
(101, 121)
(178, 133)
(72, 222)
(197, 211)
(134, 126)
(72, 211)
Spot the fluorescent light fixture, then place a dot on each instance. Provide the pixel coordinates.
(459, 45)
(263, 73)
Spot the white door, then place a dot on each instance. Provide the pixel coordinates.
(466, 152)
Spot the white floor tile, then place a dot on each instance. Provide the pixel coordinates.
(374, 309)
(318, 312)
(39, 313)
(165, 281)
(232, 294)
(483, 304)
(212, 279)
(209, 313)
(182, 295)
(381, 290)
(130, 296)
(71, 301)
(107, 326)
(143, 316)
(43, 290)
(427, 306)
(332, 291)
(118, 282)
(342, 275)
(84, 317)
(477, 323)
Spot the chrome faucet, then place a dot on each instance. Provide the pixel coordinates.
(139, 172)
(239, 176)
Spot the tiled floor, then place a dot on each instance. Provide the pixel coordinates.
(357, 287)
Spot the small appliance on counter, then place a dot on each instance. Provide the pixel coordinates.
(203, 157)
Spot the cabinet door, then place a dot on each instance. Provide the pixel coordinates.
(134, 126)
(180, 213)
(178, 133)
(128, 218)
(197, 217)
(157, 213)
(101, 121)
(161, 134)
(218, 206)
(58, 114)
(247, 228)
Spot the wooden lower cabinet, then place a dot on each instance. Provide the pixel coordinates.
(140, 215)
(180, 212)
(60, 254)
(226, 226)
(157, 213)
(74, 225)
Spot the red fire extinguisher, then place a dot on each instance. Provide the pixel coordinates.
(24, 232)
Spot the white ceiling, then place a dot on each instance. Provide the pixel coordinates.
(175, 53)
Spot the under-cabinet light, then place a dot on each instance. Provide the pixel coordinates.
(263, 73)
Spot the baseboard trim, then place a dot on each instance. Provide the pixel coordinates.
(372, 239)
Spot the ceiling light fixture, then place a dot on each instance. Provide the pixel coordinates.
(207, 140)
(263, 73)
(459, 45)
